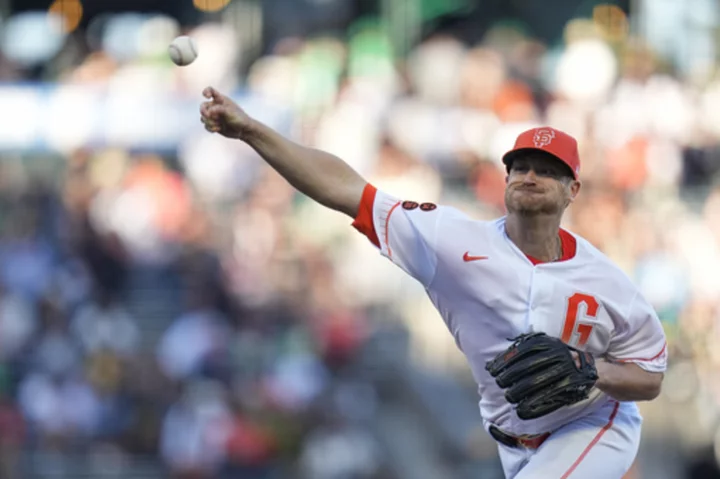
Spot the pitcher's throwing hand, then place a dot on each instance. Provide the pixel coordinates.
(222, 115)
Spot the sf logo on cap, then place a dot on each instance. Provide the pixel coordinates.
(543, 137)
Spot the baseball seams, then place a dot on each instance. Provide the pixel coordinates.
(176, 54)
(183, 51)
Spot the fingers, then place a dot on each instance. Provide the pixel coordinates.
(214, 95)
(210, 126)
(205, 108)
(209, 92)
(216, 111)
(212, 112)
(576, 358)
(208, 118)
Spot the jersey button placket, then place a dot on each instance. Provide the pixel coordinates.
(536, 292)
(532, 300)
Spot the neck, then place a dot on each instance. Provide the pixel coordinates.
(536, 235)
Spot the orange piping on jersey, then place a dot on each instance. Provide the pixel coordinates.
(594, 441)
(387, 228)
(645, 359)
(364, 220)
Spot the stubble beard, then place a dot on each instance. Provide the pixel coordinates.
(527, 208)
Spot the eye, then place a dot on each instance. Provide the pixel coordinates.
(544, 171)
(520, 168)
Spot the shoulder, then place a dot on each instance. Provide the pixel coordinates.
(418, 210)
(599, 266)
(450, 220)
(443, 213)
(442, 220)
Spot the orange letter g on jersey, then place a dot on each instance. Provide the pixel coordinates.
(572, 327)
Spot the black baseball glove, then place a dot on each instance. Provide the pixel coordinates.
(539, 374)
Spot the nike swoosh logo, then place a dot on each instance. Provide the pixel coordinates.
(467, 257)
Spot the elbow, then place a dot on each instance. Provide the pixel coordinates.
(657, 389)
(652, 393)
(654, 387)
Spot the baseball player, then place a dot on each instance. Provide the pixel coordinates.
(559, 340)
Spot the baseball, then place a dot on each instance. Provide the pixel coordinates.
(183, 51)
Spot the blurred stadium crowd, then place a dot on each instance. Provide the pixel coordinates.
(185, 303)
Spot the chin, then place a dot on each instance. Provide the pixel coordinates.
(530, 211)
(532, 208)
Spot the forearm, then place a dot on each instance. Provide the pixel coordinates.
(320, 175)
(627, 381)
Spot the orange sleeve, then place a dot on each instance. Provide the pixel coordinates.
(364, 220)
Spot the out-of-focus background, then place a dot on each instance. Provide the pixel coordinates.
(169, 307)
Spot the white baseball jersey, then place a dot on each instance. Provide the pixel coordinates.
(487, 291)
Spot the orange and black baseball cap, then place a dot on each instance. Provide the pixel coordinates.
(550, 140)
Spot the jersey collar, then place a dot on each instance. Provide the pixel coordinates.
(568, 244)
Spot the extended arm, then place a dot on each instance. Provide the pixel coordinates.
(323, 177)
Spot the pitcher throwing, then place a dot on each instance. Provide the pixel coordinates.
(559, 340)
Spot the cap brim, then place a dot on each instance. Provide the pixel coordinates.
(509, 157)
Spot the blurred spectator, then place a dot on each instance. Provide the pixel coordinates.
(105, 325)
(195, 431)
(337, 450)
(164, 295)
(196, 342)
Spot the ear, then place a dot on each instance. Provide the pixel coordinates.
(574, 189)
(507, 178)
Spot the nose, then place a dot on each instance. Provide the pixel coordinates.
(530, 177)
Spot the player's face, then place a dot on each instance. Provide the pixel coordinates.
(539, 184)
